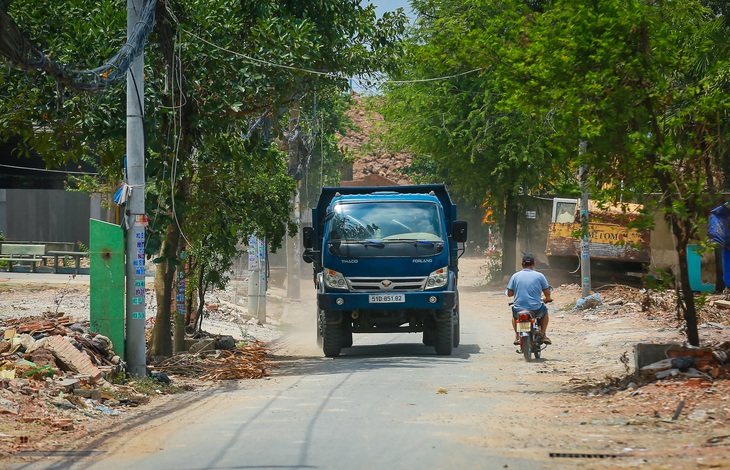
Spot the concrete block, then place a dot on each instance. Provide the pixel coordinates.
(88, 393)
(666, 373)
(67, 384)
(203, 345)
(648, 353)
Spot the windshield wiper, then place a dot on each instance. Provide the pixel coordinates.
(372, 243)
(416, 242)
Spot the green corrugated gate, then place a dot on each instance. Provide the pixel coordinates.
(106, 253)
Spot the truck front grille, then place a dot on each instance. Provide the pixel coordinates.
(377, 284)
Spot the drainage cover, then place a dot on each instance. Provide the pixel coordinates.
(573, 455)
(59, 453)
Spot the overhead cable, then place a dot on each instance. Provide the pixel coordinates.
(318, 72)
(22, 53)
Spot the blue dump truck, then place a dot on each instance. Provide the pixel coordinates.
(386, 261)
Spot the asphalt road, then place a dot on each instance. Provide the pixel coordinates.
(388, 402)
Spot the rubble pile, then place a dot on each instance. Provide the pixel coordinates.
(655, 304)
(46, 347)
(659, 363)
(701, 364)
(57, 376)
(52, 378)
(241, 362)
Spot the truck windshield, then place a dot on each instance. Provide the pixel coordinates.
(386, 222)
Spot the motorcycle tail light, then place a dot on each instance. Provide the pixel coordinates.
(524, 317)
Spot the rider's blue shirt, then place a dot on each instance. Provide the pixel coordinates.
(527, 285)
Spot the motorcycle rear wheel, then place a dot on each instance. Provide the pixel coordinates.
(527, 347)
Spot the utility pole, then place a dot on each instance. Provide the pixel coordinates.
(292, 243)
(585, 243)
(257, 279)
(136, 219)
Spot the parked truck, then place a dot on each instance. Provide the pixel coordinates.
(616, 248)
(385, 260)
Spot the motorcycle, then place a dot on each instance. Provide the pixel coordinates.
(528, 330)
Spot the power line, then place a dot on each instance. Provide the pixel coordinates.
(25, 55)
(47, 170)
(434, 79)
(263, 62)
(317, 72)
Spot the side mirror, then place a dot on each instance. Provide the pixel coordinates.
(307, 256)
(308, 237)
(458, 231)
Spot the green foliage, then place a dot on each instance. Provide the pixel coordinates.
(644, 84)
(465, 130)
(220, 78)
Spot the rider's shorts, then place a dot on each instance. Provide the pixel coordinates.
(539, 313)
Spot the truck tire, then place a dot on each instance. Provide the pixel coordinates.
(332, 340)
(445, 336)
(319, 328)
(457, 328)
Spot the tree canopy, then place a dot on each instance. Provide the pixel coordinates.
(220, 78)
(643, 84)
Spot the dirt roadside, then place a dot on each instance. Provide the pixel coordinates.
(585, 414)
(585, 409)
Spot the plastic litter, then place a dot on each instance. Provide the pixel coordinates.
(106, 410)
(591, 301)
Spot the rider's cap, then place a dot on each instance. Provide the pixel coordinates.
(528, 258)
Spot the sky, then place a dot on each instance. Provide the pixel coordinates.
(389, 5)
(381, 6)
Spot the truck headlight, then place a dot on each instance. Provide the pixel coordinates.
(438, 278)
(334, 279)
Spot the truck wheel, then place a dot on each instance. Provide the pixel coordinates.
(319, 328)
(457, 328)
(332, 340)
(445, 337)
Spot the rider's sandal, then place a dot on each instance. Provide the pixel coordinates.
(546, 340)
(516, 342)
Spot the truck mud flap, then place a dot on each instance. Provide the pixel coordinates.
(332, 317)
(443, 315)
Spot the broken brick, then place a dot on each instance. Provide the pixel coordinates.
(698, 382)
(71, 358)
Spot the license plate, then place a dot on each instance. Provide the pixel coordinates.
(386, 298)
(523, 327)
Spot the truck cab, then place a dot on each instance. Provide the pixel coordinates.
(385, 261)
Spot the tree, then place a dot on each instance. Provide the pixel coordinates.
(645, 84)
(449, 107)
(219, 78)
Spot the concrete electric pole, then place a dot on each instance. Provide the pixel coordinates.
(257, 279)
(136, 219)
(585, 243)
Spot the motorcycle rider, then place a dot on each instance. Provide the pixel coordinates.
(527, 287)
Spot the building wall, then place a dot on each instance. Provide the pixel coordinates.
(45, 215)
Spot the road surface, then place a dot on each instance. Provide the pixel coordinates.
(388, 402)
